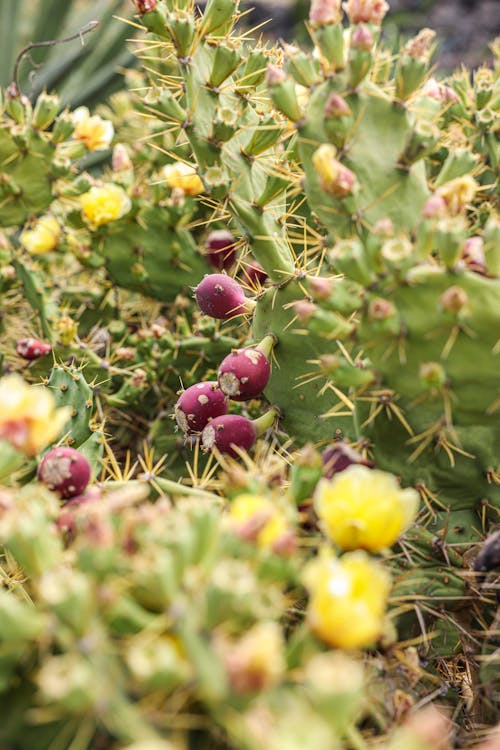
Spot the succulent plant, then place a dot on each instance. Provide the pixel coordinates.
(388, 336)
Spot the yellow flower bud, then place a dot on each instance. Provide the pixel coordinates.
(348, 598)
(458, 193)
(364, 508)
(29, 419)
(256, 518)
(95, 133)
(42, 237)
(184, 177)
(67, 328)
(334, 177)
(104, 204)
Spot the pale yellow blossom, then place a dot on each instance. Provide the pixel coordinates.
(183, 177)
(363, 508)
(458, 193)
(348, 598)
(42, 237)
(103, 204)
(95, 133)
(29, 419)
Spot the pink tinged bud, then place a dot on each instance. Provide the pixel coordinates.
(432, 89)
(336, 106)
(275, 75)
(346, 181)
(32, 348)
(473, 255)
(439, 91)
(333, 176)
(381, 309)
(366, 11)
(286, 544)
(362, 38)
(198, 405)
(120, 161)
(222, 297)
(254, 275)
(454, 299)
(65, 471)
(340, 456)
(145, 6)
(434, 208)
(321, 289)
(384, 228)
(228, 433)
(244, 374)
(420, 47)
(220, 249)
(304, 310)
(323, 12)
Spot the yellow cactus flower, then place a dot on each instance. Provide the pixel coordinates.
(183, 177)
(458, 193)
(364, 508)
(334, 177)
(348, 598)
(256, 518)
(103, 204)
(43, 236)
(95, 133)
(29, 419)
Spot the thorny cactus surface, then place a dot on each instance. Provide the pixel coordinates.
(127, 621)
(387, 321)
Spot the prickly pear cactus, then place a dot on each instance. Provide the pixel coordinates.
(394, 348)
(387, 324)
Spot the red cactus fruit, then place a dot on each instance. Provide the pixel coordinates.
(232, 432)
(220, 249)
(65, 471)
(32, 348)
(340, 456)
(229, 432)
(253, 274)
(244, 373)
(222, 297)
(198, 405)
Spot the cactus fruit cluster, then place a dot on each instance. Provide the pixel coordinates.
(249, 415)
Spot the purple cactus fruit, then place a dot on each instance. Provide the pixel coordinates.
(339, 456)
(222, 297)
(198, 405)
(67, 519)
(253, 274)
(65, 471)
(244, 373)
(31, 349)
(220, 250)
(229, 432)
